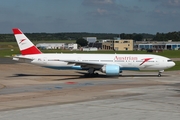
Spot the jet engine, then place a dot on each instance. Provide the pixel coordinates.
(111, 70)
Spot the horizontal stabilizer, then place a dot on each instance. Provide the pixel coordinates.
(22, 59)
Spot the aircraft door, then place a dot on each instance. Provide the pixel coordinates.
(44, 60)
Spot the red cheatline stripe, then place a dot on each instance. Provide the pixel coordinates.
(16, 31)
(71, 82)
(145, 60)
(31, 50)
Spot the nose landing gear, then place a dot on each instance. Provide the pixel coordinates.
(159, 74)
(160, 71)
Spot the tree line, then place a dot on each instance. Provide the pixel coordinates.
(175, 36)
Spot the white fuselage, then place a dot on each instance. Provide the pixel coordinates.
(124, 61)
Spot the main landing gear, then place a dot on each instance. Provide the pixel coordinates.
(91, 73)
(160, 71)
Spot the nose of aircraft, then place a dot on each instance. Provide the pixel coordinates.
(172, 64)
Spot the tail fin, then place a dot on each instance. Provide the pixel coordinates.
(25, 45)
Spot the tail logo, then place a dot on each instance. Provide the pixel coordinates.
(145, 60)
(25, 45)
(22, 41)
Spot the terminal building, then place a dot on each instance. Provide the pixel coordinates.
(157, 46)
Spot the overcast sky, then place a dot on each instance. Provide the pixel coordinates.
(96, 16)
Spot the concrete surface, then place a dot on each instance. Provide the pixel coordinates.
(31, 92)
(153, 103)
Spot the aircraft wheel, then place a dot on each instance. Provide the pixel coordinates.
(159, 75)
(96, 74)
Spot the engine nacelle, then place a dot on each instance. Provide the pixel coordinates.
(111, 70)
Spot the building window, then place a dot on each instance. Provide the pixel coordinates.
(141, 46)
(146, 46)
(150, 46)
(174, 46)
(126, 48)
(125, 41)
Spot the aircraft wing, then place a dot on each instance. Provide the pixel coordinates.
(87, 64)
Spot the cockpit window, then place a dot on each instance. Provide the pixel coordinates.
(169, 60)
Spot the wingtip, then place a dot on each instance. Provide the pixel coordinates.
(17, 31)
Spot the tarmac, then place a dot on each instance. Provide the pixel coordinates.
(32, 92)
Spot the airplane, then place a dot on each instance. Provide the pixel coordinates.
(110, 64)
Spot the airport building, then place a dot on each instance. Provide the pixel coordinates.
(90, 39)
(57, 46)
(96, 44)
(157, 45)
(89, 49)
(118, 45)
